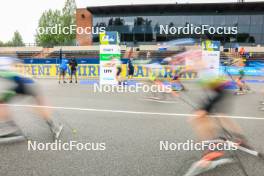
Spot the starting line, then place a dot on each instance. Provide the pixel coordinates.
(126, 112)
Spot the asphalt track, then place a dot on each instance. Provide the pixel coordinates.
(131, 129)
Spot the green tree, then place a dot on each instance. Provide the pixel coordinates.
(1, 43)
(68, 19)
(15, 41)
(45, 36)
(69, 7)
(58, 19)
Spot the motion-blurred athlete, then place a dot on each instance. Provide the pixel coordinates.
(8, 128)
(240, 82)
(207, 128)
(176, 81)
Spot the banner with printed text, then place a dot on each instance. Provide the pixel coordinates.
(110, 54)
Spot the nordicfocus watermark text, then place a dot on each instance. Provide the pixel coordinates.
(190, 145)
(190, 29)
(132, 88)
(58, 145)
(67, 30)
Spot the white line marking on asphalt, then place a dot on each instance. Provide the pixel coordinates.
(159, 101)
(126, 112)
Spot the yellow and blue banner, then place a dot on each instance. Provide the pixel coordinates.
(92, 71)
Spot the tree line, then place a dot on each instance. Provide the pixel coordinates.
(15, 41)
(50, 18)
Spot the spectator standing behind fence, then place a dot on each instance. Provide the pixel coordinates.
(130, 68)
(63, 69)
(73, 66)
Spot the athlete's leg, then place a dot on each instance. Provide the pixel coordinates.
(207, 129)
(180, 83)
(245, 85)
(223, 107)
(204, 126)
(229, 124)
(45, 113)
(4, 114)
(6, 96)
(8, 128)
(42, 109)
(240, 85)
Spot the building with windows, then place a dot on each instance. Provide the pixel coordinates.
(141, 23)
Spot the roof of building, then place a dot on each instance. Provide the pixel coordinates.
(179, 8)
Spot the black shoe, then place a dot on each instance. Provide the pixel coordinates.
(76, 82)
(70, 81)
(64, 82)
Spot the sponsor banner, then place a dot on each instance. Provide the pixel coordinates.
(110, 57)
(108, 68)
(255, 64)
(110, 49)
(87, 71)
(57, 61)
(108, 73)
(109, 38)
(211, 56)
(93, 71)
(249, 71)
(52, 70)
(210, 45)
(165, 72)
(40, 60)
